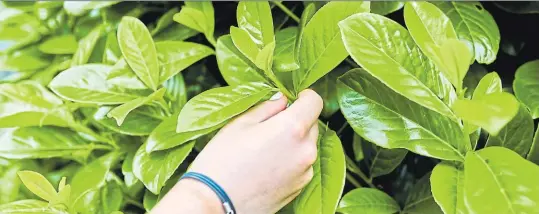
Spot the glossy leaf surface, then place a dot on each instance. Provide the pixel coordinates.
(517, 135)
(283, 56)
(382, 161)
(526, 86)
(255, 18)
(29, 206)
(141, 121)
(367, 200)
(233, 65)
(447, 184)
(427, 24)
(119, 113)
(176, 56)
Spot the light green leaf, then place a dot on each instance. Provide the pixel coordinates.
(489, 84)
(93, 176)
(101, 200)
(176, 92)
(393, 121)
(89, 84)
(8, 177)
(64, 44)
(38, 184)
(62, 198)
(385, 7)
(198, 15)
(492, 112)
(175, 32)
(215, 106)
(325, 87)
(155, 168)
(283, 56)
(533, 154)
(526, 86)
(139, 50)
(235, 68)
(43, 142)
(127, 168)
(517, 135)
(475, 26)
(244, 43)
(21, 64)
(498, 180)
(357, 146)
(86, 46)
(447, 183)
(112, 52)
(140, 122)
(78, 8)
(322, 194)
(164, 21)
(397, 62)
(30, 104)
(382, 161)
(321, 47)
(452, 58)
(29, 206)
(472, 78)
(367, 200)
(264, 59)
(119, 113)
(420, 199)
(306, 16)
(255, 18)
(175, 56)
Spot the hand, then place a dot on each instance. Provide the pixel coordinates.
(262, 159)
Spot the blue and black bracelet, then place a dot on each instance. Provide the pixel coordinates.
(225, 200)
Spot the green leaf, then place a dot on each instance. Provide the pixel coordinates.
(112, 52)
(489, 84)
(321, 47)
(393, 121)
(498, 180)
(264, 59)
(420, 199)
(283, 56)
(382, 161)
(175, 32)
(198, 15)
(492, 112)
(517, 135)
(43, 142)
(164, 21)
(325, 87)
(385, 7)
(176, 56)
(141, 121)
(244, 43)
(472, 78)
(119, 113)
(89, 84)
(64, 44)
(322, 194)
(102, 200)
(62, 198)
(255, 19)
(176, 92)
(357, 146)
(533, 154)
(427, 24)
(447, 183)
(215, 106)
(127, 168)
(30, 104)
(306, 16)
(526, 86)
(29, 206)
(8, 175)
(86, 46)
(235, 68)
(155, 168)
(93, 176)
(367, 200)
(475, 26)
(398, 62)
(79, 8)
(17, 29)
(38, 184)
(139, 50)
(21, 64)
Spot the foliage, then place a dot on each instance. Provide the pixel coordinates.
(105, 104)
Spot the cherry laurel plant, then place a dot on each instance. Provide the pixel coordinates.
(102, 108)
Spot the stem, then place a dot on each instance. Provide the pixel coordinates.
(287, 11)
(352, 167)
(280, 86)
(211, 40)
(344, 125)
(352, 180)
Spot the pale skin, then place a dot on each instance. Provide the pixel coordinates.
(262, 159)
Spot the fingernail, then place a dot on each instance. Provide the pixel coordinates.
(276, 96)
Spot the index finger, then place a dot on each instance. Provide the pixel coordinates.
(304, 111)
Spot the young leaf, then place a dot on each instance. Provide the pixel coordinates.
(64, 44)
(321, 47)
(398, 62)
(306, 16)
(139, 122)
(526, 86)
(243, 42)
(264, 59)
(420, 198)
(38, 184)
(322, 194)
(474, 75)
(89, 84)
(93, 176)
(283, 56)
(447, 183)
(176, 92)
(385, 7)
(489, 84)
(215, 106)
(492, 112)
(119, 113)
(43, 142)
(255, 18)
(164, 21)
(29, 206)
(475, 25)
(155, 168)
(452, 58)
(86, 46)
(235, 68)
(397, 122)
(112, 52)
(367, 200)
(127, 168)
(382, 161)
(498, 180)
(198, 15)
(517, 135)
(139, 50)
(176, 56)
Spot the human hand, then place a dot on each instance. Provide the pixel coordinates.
(262, 159)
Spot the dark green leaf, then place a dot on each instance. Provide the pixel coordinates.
(325, 87)
(385, 7)
(533, 154)
(86, 46)
(112, 52)
(164, 21)
(420, 199)
(473, 76)
(382, 161)
(366, 200)
(517, 135)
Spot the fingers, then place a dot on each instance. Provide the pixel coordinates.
(263, 111)
(301, 115)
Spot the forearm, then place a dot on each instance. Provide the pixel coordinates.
(189, 196)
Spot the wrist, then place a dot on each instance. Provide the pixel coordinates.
(190, 196)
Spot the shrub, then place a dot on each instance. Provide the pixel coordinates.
(103, 105)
